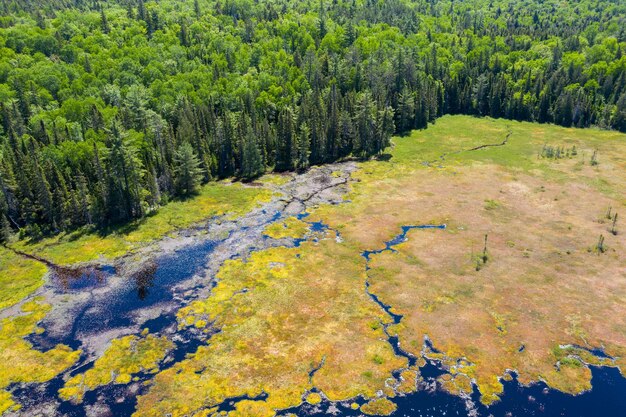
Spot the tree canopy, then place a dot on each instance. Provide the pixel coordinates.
(110, 108)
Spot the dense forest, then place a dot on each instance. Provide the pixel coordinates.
(111, 108)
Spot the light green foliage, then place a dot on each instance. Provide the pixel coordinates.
(19, 277)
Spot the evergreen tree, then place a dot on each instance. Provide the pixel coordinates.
(287, 141)
(125, 170)
(304, 145)
(619, 120)
(251, 162)
(187, 172)
(104, 22)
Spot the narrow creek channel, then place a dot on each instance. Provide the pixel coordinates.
(609, 386)
(92, 309)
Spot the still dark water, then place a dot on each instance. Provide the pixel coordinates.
(606, 399)
(154, 285)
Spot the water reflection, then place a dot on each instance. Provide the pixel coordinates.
(76, 279)
(144, 279)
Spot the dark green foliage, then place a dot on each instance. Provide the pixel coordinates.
(251, 163)
(108, 109)
(187, 170)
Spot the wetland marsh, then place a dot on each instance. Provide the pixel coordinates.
(356, 287)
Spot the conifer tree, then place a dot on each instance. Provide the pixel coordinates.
(187, 172)
(251, 162)
(304, 144)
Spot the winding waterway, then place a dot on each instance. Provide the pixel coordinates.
(91, 310)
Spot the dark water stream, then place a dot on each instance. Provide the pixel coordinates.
(606, 399)
(154, 285)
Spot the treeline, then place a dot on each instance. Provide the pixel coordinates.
(110, 109)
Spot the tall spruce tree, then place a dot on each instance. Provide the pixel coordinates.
(187, 172)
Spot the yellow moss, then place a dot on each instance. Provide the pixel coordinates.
(272, 335)
(125, 357)
(208, 412)
(247, 408)
(22, 363)
(290, 228)
(457, 384)
(408, 382)
(275, 179)
(378, 407)
(490, 389)
(6, 402)
(314, 398)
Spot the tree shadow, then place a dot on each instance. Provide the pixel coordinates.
(383, 157)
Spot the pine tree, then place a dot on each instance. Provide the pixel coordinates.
(333, 127)
(104, 22)
(187, 172)
(286, 138)
(304, 145)
(384, 129)
(619, 120)
(183, 35)
(251, 162)
(5, 227)
(124, 172)
(225, 151)
(365, 126)
(406, 110)
(84, 209)
(141, 11)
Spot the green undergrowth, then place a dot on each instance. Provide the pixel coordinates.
(19, 277)
(85, 245)
(454, 137)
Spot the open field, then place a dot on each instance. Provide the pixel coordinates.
(544, 284)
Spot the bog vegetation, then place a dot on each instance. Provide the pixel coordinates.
(110, 109)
